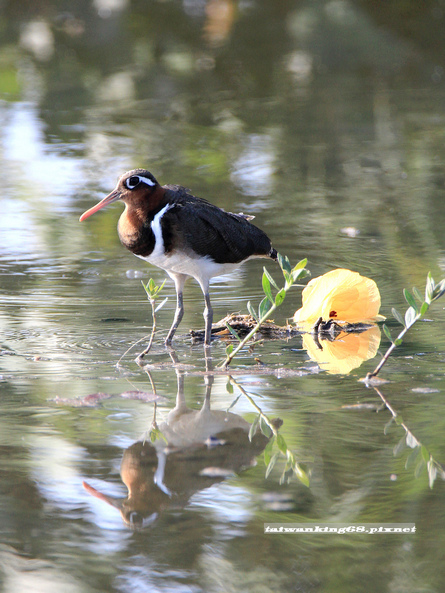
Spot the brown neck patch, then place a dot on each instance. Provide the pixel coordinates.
(134, 224)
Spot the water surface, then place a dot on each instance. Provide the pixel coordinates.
(324, 120)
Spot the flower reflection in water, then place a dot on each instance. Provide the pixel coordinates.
(345, 351)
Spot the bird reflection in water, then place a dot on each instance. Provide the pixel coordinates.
(199, 448)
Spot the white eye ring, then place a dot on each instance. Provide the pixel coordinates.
(135, 180)
(132, 181)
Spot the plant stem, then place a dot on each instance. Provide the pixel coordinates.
(291, 275)
(249, 336)
(388, 353)
(153, 330)
(255, 405)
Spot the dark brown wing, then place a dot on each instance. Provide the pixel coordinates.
(209, 230)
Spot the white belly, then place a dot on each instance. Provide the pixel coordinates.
(200, 268)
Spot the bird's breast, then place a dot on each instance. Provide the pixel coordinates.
(142, 234)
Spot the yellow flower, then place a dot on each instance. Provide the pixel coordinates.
(341, 295)
(348, 351)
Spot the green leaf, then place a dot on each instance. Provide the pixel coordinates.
(271, 464)
(410, 300)
(271, 280)
(298, 272)
(439, 290)
(398, 341)
(266, 288)
(419, 468)
(432, 472)
(411, 440)
(229, 349)
(161, 304)
(387, 425)
(298, 275)
(268, 451)
(263, 309)
(417, 294)
(279, 297)
(425, 453)
(252, 311)
(429, 288)
(412, 457)
(424, 308)
(398, 316)
(400, 446)
(265, 428)
(235, 401)
(387, 332)
(410, 317)
(301, 474)
(229, 389)
(157, 289)
(301, 264)
(156, 434)
(233, 332)
(254, 426)
(151, 285)
(284, 478)
(398, 420)
(284, 262)
(282, 446)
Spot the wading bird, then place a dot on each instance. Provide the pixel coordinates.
(186, 236)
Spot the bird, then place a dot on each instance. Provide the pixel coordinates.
(186, 236)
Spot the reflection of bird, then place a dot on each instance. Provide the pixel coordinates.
(198, 448)
(186, 236)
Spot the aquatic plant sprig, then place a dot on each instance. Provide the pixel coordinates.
(269, 303)
(152, 291)
(418, 306)
(276, 440)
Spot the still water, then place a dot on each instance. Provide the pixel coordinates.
(326, 121)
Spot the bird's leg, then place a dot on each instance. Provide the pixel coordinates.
(208, 318)
(179, 313)
(179, 280)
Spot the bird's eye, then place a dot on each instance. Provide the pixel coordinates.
(132, 181)
(135, 519)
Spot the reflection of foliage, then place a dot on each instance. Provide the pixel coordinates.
(409, 440)
(418, 306)
(154, 433)
(269, 302)
(271, 431)
(414, 312)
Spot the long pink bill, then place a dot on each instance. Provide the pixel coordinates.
(113, 197)
(114, 502)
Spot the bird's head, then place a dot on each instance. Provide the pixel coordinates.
(133, 187)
